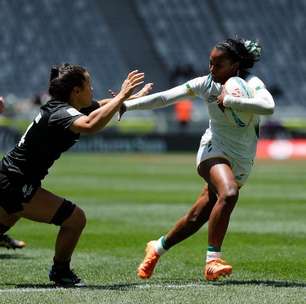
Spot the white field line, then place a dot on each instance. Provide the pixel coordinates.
(103, 287)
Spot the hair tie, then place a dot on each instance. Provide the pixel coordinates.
(253, 48)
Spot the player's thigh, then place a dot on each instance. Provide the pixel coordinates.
(218, 173)
(42, 207)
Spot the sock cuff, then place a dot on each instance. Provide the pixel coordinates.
(163, 242)
(61, 264)
(159, 246)
(213, 248)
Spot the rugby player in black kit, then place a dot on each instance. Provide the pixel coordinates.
(55, 129)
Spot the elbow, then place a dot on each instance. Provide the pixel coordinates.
(268, 109)
(90, 129)
(270, 106)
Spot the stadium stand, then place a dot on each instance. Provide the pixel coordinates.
(40, 33)
(165, 33)
(185, 33)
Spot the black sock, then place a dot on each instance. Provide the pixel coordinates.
(61, 265)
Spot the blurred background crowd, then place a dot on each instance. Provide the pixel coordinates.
(169, 40)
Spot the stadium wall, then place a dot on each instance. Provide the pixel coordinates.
(157, 143)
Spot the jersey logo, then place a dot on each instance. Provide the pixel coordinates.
(27, 190)
(189, 90)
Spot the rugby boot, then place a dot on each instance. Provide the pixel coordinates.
(149, 262)
(9, 243)
(214, 269)
(65, 278)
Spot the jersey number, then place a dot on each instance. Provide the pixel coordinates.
(36, 120)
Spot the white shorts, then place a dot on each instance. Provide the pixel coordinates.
(241, 168)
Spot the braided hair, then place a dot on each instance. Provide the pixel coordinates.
(63, 78)
(246, 52)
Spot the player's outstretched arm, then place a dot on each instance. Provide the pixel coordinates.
(143, 92)
(156, 100)
(97, 119)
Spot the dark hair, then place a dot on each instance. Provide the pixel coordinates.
(63, 78)
(246, 52)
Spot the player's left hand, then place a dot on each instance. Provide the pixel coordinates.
(147, 88)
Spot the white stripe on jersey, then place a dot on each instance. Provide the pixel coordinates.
(73, 112)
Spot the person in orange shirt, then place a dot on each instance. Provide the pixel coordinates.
(183, 112)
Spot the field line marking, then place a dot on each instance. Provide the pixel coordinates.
(139, 286)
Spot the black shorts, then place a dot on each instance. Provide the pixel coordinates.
(13, 193)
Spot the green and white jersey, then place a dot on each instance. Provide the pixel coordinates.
(228, 129)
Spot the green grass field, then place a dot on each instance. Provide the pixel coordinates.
(130, 199)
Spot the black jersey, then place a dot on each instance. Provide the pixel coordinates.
(44, 141)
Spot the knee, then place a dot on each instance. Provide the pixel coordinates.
(230, 193)
(77, 220)
(69, 216)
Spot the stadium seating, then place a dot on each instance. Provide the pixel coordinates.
(184, 31)
(39, 33)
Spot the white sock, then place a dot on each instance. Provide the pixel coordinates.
(212, 255)
(158, 246)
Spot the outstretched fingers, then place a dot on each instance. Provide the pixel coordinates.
(136, 79)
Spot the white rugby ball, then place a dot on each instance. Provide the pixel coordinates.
(237, 87)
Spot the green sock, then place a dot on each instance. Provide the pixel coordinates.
(163, 242)
(213, 248)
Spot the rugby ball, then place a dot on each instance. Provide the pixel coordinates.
(237, 87)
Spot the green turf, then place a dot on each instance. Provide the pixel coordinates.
(130, 199)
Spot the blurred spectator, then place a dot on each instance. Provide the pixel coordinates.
(183, 112)
(183, 109)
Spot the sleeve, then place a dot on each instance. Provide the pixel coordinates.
(262, 102)
(198, 86)
(94, 106)
(162, 99)
(64, 117)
